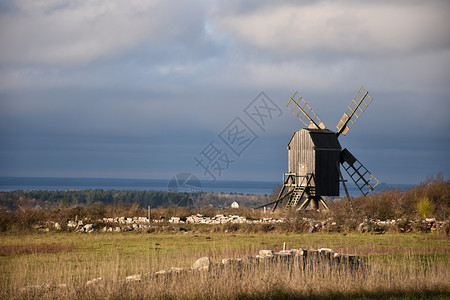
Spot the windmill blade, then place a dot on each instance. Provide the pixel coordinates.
(358, 105)
(363, 179)
(298, 106)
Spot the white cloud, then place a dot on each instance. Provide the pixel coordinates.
(68, 33)
(388, 45)
(349, 27)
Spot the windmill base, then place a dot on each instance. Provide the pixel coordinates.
(298, 194)
(315, 202)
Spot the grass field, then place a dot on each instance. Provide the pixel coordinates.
(402, 266)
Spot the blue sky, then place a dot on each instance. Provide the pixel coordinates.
(138, 89)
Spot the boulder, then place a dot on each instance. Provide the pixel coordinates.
(94, 281)
(127, 228)
(163, 272)
(201, 263)
(265, 252)
(325, 250)
(88, 227)
(231, 261)
(134, 277)
(282, 254)
(72, 224)
(57, 226)
(299, 252)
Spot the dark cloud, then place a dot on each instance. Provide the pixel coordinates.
(136, 89)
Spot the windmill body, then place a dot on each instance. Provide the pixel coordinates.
(316, 151)
(315, 156)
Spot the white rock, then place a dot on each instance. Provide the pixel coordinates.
(282, 254)
(135, 277)
(203, 262)
(227, 261)
(266, 252)
(88, 227)
(162, 272)
(299, 252)
(94, 281)
(325, 250)
(72, 224)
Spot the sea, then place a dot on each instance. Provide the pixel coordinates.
(181, 184)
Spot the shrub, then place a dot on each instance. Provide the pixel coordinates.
(231, 227)
(424, 207)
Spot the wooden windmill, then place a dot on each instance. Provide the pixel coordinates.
(315, 156)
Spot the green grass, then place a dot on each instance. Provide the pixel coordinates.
(130, 245)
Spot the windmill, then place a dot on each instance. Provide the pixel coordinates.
(315, 156)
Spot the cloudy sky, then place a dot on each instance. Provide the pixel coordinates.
(148, 89)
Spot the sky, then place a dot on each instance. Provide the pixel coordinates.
(151, 89)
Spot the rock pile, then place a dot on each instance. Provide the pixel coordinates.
(123, 224)
(402, 225)
(193, 219)
(80, 226)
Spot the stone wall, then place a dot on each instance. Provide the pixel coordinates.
(120, 224)
(267, 260)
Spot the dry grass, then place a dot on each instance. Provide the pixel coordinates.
(397, 270)
(34, 249)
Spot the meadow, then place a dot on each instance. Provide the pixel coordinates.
(38, 261)
(58, 265)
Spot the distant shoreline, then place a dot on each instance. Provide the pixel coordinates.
(9, 184)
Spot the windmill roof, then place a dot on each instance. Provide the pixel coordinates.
(322, 138)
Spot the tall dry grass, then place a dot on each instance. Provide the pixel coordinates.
(39, 275)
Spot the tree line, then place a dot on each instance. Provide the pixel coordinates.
(44, 198)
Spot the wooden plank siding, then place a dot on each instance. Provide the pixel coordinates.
(316, 151)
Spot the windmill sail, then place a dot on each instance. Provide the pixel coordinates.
(298, 106)
(363, 179)
(358, 105)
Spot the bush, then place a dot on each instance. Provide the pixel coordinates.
(424, 207)
(231, 227)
